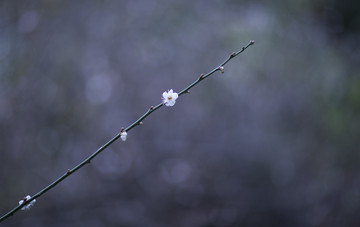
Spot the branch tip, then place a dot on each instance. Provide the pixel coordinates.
(252, 42)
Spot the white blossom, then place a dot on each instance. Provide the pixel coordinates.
(221, 68)
(123, 135)
(169, 98)
(28, 205)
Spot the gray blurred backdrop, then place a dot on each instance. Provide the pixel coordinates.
(274, 141)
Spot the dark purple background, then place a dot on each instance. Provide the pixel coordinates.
(274, 141)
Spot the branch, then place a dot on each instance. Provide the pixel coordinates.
(136, 123)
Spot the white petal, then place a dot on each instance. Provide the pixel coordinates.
(170, 103)
(164, 94)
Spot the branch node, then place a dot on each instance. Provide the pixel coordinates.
(201, 76)
(187, 92)
(151, 107)
(122, 129)
(233, 54)
(141, 123)
(68, 171)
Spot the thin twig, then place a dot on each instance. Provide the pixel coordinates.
(136, 123)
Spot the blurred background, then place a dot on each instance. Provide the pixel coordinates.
(274, 141)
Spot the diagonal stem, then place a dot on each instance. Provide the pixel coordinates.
(136, 123)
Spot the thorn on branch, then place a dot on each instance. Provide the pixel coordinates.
(187, 92)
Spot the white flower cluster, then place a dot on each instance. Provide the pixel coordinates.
(27, 207)
(169, 98)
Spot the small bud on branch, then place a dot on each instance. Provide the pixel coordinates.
(123, 136)
(221, 68)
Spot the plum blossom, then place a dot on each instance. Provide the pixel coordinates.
(123, 135)
(27, 207)
(169, 98)
(221, 68)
